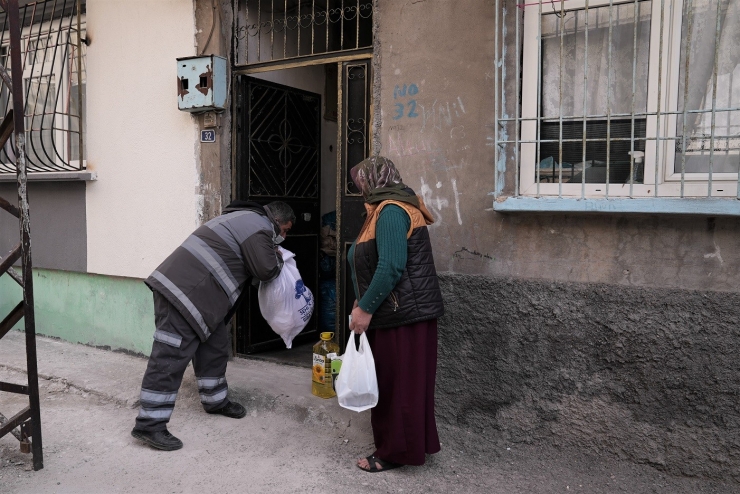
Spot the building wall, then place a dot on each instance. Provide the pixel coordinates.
(104, 311)
(644, 374)
(58, 228)
(441, 138)
(143, 203)
(611, 333)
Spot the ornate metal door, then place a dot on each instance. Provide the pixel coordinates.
(278, 138)
(355, 145)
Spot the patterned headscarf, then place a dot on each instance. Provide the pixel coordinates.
(373, 173)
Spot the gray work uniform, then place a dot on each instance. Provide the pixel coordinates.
(196, 290)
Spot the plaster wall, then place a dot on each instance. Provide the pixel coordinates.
(58, 229)
(435, 61)
(102, 311)
(143, 203)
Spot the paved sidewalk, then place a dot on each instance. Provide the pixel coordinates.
(290, 441)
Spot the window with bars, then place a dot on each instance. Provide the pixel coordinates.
(277, 30)
(54, 80)
(625, 99)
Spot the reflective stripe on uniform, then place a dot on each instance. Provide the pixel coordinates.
(216, 226)
(215, 397)
(168, 338)
(228, 238)
(213, 262)
(210, 382)
(226, 217)
(155, 413)
(158, 397)
(183, 299)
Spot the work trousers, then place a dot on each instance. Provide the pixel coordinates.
(175, 345)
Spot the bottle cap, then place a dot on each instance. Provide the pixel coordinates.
(327, 336)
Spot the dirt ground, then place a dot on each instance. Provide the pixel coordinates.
(289, 448)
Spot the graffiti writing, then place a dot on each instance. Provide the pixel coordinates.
(441, 115)
(465, 253)
(405, 108)
(436, 202)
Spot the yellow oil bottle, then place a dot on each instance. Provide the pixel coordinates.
(321, 382)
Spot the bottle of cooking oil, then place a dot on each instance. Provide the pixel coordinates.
(321, 384)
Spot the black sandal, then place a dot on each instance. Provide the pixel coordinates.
(374, 461)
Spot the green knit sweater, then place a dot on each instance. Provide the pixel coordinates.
(390, 238)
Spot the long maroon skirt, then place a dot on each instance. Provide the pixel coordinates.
(406, 364)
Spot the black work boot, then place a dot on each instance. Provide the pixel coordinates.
(232, 410)
(158, 439)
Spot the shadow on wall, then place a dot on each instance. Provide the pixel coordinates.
(649, 375)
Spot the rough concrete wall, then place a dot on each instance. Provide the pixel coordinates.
(212, 35)
(58, 224)
(213, 19)
(441, 138)
(650, 375)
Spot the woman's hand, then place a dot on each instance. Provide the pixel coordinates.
(360, 320)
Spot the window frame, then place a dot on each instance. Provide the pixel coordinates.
(59, 69)
(661, 132)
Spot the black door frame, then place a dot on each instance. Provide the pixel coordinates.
(348, 203)
(267, 125)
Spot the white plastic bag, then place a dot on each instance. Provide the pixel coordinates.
(357, 384)
(285, 302)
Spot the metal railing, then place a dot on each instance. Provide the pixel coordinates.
(277, 30)
(26, 424)
(54, 78)
(636, 98)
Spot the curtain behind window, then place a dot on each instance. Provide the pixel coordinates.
(701, 38)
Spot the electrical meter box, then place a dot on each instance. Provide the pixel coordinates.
(201, 83)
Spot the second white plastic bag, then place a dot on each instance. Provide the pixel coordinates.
(357, 383)
(285, 302)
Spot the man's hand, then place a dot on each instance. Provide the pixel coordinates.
(360, 320)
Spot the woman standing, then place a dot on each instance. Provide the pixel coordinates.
(398, 299)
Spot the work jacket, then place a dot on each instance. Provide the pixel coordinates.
(417, 296)
(204, 276)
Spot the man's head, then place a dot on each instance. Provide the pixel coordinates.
(283, 216)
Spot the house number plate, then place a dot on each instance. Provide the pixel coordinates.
(207, 136)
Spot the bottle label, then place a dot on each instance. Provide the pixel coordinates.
(336, 365)
(319, 369)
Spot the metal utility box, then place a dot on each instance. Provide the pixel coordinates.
(201, 83)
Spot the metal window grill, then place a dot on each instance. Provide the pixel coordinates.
(54, 78)
(638, 98)
(277, 30)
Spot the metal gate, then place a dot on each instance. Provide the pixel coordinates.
(355, 145)
(28, 419)
(278, 157)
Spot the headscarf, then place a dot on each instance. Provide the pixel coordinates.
(379, 180)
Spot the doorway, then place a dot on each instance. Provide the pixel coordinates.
(297, 132)
(280, 159)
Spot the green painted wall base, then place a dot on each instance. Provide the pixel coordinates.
(87, 308)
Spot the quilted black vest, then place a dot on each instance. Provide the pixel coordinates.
(417, 296)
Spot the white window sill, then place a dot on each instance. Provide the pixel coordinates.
(78, 176)
(702, 206)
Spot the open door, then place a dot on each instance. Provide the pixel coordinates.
(354, 143)
(278, 157)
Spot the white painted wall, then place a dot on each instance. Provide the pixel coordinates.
(143, 204)
(313, 79)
